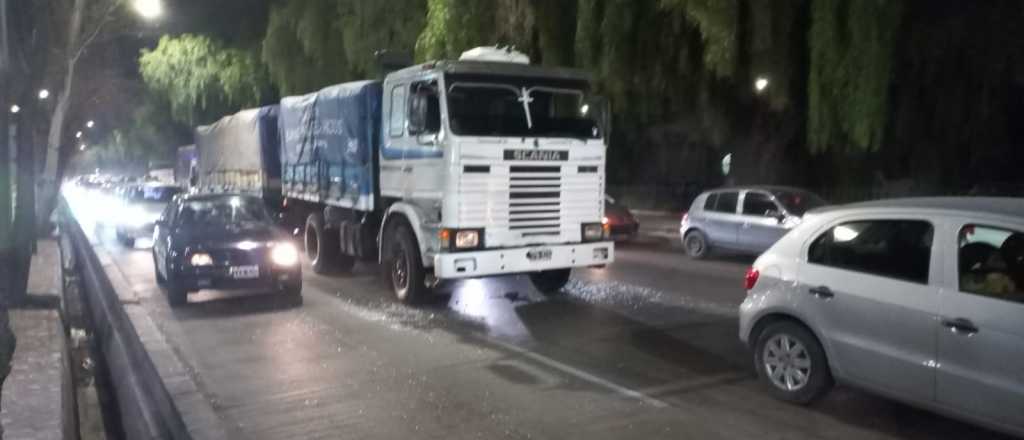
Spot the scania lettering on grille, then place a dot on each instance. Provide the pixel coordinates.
(537, 155)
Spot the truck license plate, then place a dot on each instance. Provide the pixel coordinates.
(244, 272)
(541, 254)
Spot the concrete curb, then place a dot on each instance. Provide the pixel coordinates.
(196, 410)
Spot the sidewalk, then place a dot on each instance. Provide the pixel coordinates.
(31, 401)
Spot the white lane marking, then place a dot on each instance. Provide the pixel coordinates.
(580, 374)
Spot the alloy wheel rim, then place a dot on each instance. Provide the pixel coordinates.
(787, 362)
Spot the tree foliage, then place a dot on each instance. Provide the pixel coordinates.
(304, 49)
(851, 58)
(201, 78)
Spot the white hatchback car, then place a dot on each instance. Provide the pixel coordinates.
(920, 300)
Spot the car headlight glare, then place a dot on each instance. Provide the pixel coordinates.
(593, 231)
(467, 239)
(284, 254)
(200, 259)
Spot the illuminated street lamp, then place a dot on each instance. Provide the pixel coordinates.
(149, 9)
(78, 135)
(43, 94)
(89, 124)
(81, 147)
(760, 84)
(15, 108)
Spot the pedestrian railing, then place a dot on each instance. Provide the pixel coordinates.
(144, 408)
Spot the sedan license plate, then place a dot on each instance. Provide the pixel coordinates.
(244, 272)
(539, 254)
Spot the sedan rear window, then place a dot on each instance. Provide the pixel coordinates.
(890, 248)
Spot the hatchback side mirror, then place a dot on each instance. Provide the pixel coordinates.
(777, 215)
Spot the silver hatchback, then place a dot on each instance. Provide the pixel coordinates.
(920, 300)
(747, 220)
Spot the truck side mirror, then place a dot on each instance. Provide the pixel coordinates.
(424, 112)
(417, 114)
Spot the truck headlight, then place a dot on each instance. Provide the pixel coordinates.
(461, 239)
(200, 259)
(593, 232)
(284, 254)
(467, 239)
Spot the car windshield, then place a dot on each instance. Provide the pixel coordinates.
(224, 211)
(798, 202)
(491, 108)
(161, 194)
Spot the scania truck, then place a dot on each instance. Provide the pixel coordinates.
(482, 166)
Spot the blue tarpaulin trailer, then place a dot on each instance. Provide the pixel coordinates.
(329, 142)
(241, 153)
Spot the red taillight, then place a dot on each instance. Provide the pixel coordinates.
(686, 215)
(750, 279)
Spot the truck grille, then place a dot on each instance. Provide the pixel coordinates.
(535, 200)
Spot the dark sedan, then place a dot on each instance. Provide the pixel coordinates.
(621, 224)
(222, 241)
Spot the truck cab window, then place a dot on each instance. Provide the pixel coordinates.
(424, 109)
(396, 118)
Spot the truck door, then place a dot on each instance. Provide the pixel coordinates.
(395, 141)
(424, 176)
(411, 155)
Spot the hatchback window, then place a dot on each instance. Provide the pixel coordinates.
(724, 202)
(990, 262)
(709, 203)
(759, 204)
(891, 248)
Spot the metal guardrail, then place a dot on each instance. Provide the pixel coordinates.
(145, 407)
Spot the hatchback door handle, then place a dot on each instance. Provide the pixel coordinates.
(822, 292)
(960, 326)
(407, 169)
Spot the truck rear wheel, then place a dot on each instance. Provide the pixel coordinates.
(550, 282)
(404, 267)
(321, 245)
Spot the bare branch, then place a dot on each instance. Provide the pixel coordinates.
(99, 27)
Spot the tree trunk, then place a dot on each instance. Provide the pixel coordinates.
(50, 181)
(24, 239)
(7, 339)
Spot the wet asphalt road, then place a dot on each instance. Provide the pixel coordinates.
(643, 349)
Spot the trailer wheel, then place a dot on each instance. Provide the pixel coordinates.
(321, 245)
(403, 266)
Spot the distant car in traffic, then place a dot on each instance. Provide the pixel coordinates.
(920, 300)
(222, 241)
(140, 206)
(621, 223)
(743, 219)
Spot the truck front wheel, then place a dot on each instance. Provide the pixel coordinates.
(404, 267)
(321, 245)
(550, 282)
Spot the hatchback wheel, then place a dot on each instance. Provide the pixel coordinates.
(696, 244)
(791, 362)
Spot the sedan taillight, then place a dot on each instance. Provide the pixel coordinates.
(750, 279)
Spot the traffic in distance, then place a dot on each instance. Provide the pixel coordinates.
(488, 165)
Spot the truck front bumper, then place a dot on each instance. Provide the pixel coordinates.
(522, 260)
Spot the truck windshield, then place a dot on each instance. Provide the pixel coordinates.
(506, 109)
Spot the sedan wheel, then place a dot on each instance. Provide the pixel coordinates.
(791, 362)
(786, 362)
